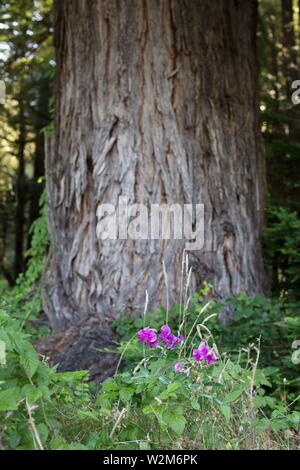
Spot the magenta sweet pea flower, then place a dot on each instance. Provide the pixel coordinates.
(168, 338)
(204, 353)
(148, 336)
(165, 333)
(211, 358)
(201, 353)
(197, 355)
(204, 349)
(178, 367)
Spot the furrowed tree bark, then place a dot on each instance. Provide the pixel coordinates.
(155, 101)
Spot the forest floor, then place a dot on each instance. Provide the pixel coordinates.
(84, 347)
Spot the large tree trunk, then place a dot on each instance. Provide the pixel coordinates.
(156, 101)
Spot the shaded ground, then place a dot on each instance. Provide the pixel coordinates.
(77, 348)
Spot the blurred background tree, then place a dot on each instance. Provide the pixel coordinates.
(27, 67)
(278, 46)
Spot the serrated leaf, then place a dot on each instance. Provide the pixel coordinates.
(9, 399)
(32, 393)
(126, 393)
(29, 361)
(177, 423)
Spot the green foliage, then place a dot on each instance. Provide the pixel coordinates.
(27, 67)
(279, 117)
(205, 407)
(277, 324)
(31, 393)
(262, 379)
(279, 56)
(282, 251)
(178, 318)
(23, 301)
(148, 405)
(36, 253)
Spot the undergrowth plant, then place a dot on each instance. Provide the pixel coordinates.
(188, 401)
(184, 380)
(275, 321)
(181, 392)
(282, 251)
(24, 299)
(32, 394)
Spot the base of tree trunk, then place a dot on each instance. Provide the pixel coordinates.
(81, 348)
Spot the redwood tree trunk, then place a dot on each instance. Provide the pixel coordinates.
(156, 101)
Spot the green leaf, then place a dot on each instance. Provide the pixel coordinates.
(29, 361)
(32, 393)
(82, 414)
(226, 411)
(14, 439)
(9, 399)
(234, 395)
(126, 393)
(43, 431)
(177, 423)
(173, 386)
(260, 378)
(195, 405)
(147, 410)
(73, 376)
(263, 424)
(279, 424)
(110, 385)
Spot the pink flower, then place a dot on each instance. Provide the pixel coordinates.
(197, 355)
(168, 338)
(204, 349)
(201, 353)
(165, 333)
(211, 358)
(148, 336)
(204, 353)
(178, 367)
